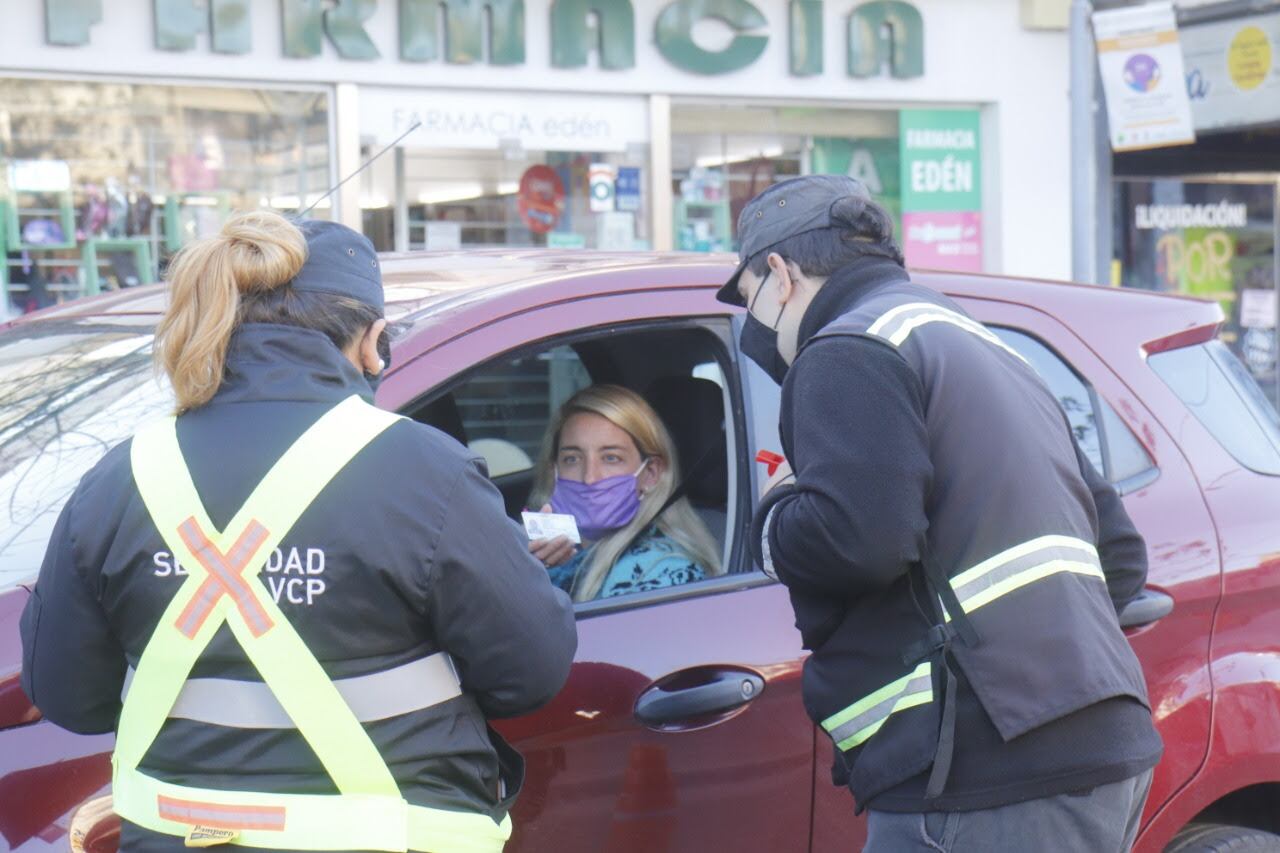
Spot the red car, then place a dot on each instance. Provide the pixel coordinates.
(681, 727)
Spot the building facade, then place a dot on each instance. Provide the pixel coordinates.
(129, 127)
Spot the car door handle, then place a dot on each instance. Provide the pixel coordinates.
(1150, 606)
(731, 690)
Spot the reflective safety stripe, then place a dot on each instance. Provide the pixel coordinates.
(221, 816)
(1024, 564)
(896, 326)
(224, 578)
(1000, 575)
(231, 702)
(305, 821)
(855, 724)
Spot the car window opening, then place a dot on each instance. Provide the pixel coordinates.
(503, 409)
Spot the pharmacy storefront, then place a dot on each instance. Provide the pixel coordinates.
(129, 128)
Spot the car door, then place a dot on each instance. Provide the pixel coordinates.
(681, 726)
(834, 824)
(1232, 436)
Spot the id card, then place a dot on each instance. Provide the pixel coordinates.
(550, 525)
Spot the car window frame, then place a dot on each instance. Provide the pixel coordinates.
(1129, 484)
(739, 504)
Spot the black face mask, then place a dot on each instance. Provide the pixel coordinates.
(760, 343)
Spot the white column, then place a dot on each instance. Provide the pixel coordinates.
(1084, 149)
(402, 204)
(661, 200)
(347, 121)
(993, 223)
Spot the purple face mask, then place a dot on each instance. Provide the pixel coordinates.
(600, 507)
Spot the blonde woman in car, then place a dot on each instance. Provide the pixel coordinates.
(608, 460)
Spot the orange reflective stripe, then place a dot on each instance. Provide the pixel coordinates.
(221, 816)
(199, 607)
(224, 572)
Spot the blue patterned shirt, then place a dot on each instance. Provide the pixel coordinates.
(653, 561)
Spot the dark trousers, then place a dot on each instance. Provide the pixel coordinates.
(1103, 820)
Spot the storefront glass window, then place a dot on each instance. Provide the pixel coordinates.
(455, 198)
(1212, 240)
(923, 166)
(723, 156)
(101, 182)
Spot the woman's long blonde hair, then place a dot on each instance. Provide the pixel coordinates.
(254, 252)
(628, 410)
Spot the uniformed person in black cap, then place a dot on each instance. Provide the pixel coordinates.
(310, 606)
(955, 564)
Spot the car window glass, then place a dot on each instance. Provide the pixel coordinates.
(710, 371)
(502, 410)
(1126, 455)
(763, 401)
(1114, 450)
(1222, 395)
(70, 390)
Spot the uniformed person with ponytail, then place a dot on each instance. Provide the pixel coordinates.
(295, 610)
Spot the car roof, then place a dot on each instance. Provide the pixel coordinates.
(1132, 313)
(421, 286)
(418, 281)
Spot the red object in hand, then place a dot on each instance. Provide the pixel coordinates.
(773, 460)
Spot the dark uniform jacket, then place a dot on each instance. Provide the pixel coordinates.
(924, 446)
(405, 553)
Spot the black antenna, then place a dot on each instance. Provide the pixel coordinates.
(365, 165)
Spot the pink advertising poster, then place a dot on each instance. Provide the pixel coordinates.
(943, 240)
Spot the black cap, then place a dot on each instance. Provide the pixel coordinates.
(784, 210)
(340, 261)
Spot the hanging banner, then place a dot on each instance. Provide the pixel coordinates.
(1233, 71)
(1140, 62)
(941, 181)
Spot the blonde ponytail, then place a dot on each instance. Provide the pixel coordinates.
(254, 253)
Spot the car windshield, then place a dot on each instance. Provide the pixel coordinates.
(69, 391)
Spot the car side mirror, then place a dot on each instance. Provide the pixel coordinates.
(1150, 606)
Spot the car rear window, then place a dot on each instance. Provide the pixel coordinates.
(1103, 437)
(1219, 391)
(70, 390)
